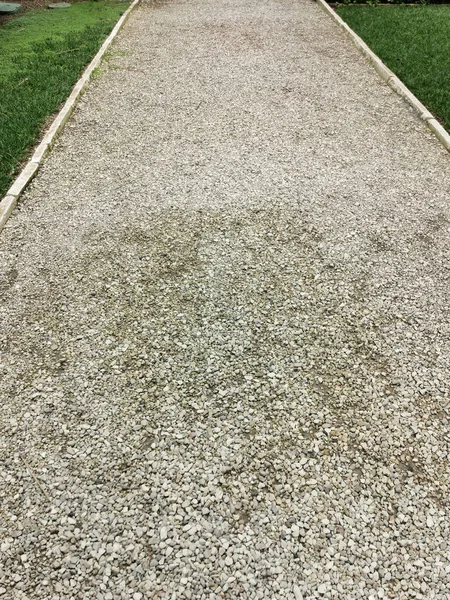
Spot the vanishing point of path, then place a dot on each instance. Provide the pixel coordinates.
(225, 326)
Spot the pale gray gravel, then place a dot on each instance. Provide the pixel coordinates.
(225, 326)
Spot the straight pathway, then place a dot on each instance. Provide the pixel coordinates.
(225, 325)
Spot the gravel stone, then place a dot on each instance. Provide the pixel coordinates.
(224, 338)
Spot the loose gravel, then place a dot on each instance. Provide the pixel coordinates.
(225, 326)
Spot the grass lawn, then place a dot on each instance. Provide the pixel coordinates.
(43, 54)
(414, 42)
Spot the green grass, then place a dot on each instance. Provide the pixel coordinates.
(414, 42)
(43, 54)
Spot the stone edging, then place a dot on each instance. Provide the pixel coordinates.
(8, 203)
(392, 80)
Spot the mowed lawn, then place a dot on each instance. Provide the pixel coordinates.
(42, 55)
(414, 42)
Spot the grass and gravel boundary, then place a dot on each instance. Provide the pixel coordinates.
(414, 42)
(43, 55)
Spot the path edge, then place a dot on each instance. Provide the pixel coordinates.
(390, 78)
(9, 201)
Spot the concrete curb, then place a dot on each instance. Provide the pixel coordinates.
(391, 79)
(8, 203)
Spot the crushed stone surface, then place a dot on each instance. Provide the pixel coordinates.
(225, 326)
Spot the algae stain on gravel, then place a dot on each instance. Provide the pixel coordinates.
(228, 310)
(235, 343)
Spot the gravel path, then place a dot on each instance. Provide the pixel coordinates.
(225, 326)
